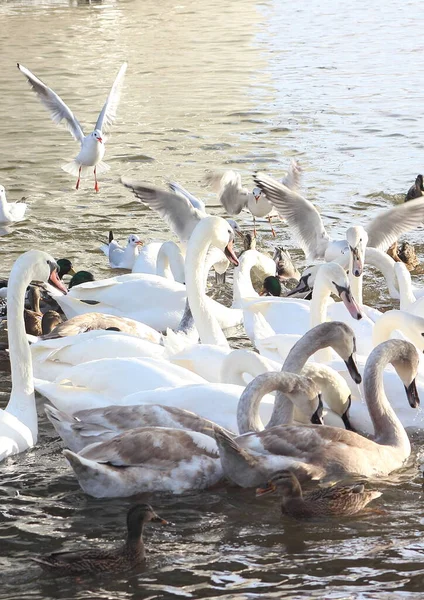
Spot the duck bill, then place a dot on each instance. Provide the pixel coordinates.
(301, 287)
(352, 367)
(229, 253)
(269, 488)
(412, 395)
(357, 262)
(55, 281)
(158, 519)
(351, 304)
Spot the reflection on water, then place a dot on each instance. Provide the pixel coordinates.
(245, 85)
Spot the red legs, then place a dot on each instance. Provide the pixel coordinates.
(96, 185)
(254, 226)
(272, 228)
(79, 179)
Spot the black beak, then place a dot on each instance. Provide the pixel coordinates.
(316, 418)
(412, 395)
(345, 417)
(353, 369)
(302, 286)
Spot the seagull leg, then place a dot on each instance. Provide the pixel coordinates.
(79, 179)
(96, 185)
(254, 226)
(272, 228)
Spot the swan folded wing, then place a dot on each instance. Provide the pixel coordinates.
(176, 210)
(156, 447)
(385, 229)
(300, 214)
(107, 115)
(55, 105)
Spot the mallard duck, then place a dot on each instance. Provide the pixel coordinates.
(80, 277)
(271, 286)
(284, 264)
(416, 190)
(405, 254)
(337, 500)
(65, 267)
(97, 560)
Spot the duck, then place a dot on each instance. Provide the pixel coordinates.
(333, 501)
(10, 212)
(416, 190)
(405, 254)
(331, 453)
(284, 263)
(18, 421)
(92, 148)
(97, 560)
(65, 267)
(34, 315)
(80, 277)
(119, 257)
(189, 459)
(309, 231)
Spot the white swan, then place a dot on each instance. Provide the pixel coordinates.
(309, 231)
(119, 257)
(318, 452)
(10, 212)
(18, 422)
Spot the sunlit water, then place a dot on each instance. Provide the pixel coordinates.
(239, 85)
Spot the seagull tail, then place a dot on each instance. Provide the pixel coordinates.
(73, 168)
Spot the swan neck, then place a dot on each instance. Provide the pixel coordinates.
(318, 313)
(387, 427)
(248, 407)
(240, 362)
(407, 297)
(22, 398)
(170, 262)
(385, 264)
(242, 286)
(207, 325)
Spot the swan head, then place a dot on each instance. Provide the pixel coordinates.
(406, 362)
(357, 239)
(42, 267)
(304, 392)
(134, 241)
(285, 481)
(222, 236)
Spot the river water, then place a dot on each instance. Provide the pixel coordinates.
(244, 85)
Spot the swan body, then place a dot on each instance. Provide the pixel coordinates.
(10, 212)
(18, 421)
(313, 452)
(160, 460)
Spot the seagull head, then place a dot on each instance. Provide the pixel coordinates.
(97, 134)
(134, 240)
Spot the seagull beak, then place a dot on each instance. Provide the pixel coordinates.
(140, 243)
(55, 281)
(239, 233)
(100, 139)
(229, 253)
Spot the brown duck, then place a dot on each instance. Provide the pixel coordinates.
(97, 560)
(332, 501)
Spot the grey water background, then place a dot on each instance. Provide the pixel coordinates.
(244, 85)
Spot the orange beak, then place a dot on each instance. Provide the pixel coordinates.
(100, 140)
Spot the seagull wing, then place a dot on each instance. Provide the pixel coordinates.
(108, 114)
(300, 214)
(178, 189)
(175, 209)
(55, 105)
(293, 177)
(385, 229)
(231, 194)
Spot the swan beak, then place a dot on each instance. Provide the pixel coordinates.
(353, 369)
(350, 303)
(302, 286)
(55, 281)
(316, 418)
(229, 253)
(412, 395)
(357, 264)
(269, 488)
(158, 519)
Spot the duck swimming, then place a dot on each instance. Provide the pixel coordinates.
(123, 558)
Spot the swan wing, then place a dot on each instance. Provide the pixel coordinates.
(300, 214)
(178, 189)
(108, 113)
(58, 110)
(386, 228)
(181, 216)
